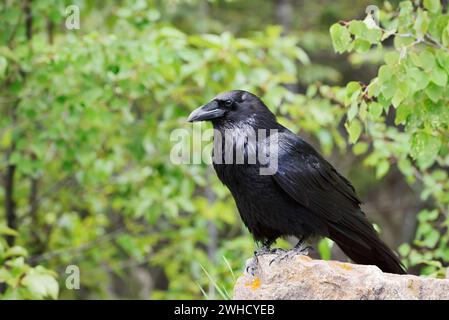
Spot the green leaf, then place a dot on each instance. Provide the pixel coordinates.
(352, 92)
(374, 35)
(353, 110)
(6, 139)
(382, 168)
(428, 215)
(401, 93)
(41, 285)
(361, 32)
(425, 60)
(401, 42)
(439, 76)
(363, 110)
(358, 28)
(361, 45)
(375, 109)
(425, 148)
(445, 36)
(374, 88)
(432, 5)
(352, 87)
(388, 89)
(391, 58)
(360, 148)
(402, 112)
(4, 230)
(443, 59)
(16, 251)
(341, 38)
(354, 129)
(406, 7)
(431, 239)
(3, 66)
(434, 92)
(325, 248)
(385, 73)
(404, 249)
(419, 77)
(405, 166)
(7, 53)
(422, 23)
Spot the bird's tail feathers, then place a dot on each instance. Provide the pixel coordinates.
(361, 243)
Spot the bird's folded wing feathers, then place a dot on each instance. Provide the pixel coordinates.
(310, 180)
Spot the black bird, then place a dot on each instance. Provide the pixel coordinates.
(305, 196)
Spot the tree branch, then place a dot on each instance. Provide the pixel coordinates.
(10, 204)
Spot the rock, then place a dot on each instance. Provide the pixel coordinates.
(301, 277)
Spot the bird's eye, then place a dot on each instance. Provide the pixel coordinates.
(228, 103)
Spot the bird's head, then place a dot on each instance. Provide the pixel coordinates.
(231, 108)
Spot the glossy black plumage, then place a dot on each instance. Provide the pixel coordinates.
(306, 196)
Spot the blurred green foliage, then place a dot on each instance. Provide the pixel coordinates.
(22, 281)
(86, 119)
(412, 83)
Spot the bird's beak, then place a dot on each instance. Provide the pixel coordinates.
(207, 112)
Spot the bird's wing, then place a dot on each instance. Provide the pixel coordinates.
(313, 182)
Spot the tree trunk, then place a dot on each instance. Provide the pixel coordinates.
(283, 13)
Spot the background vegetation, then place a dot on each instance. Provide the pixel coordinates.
(86, 117)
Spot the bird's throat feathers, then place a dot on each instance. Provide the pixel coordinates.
(250, 141)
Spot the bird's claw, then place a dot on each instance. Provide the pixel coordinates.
(252, 266)
(282, 254)
(299, 250)
(262, 251)
(266, 250)
(278, 251)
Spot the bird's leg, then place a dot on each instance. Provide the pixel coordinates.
(265, 249)
(277, 251)
(301, 248)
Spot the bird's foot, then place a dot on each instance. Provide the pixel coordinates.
(252, 265)
(261, 251)
(278, 251)
(299, 249)
(266, 250)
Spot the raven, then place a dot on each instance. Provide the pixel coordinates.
(305, 196)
